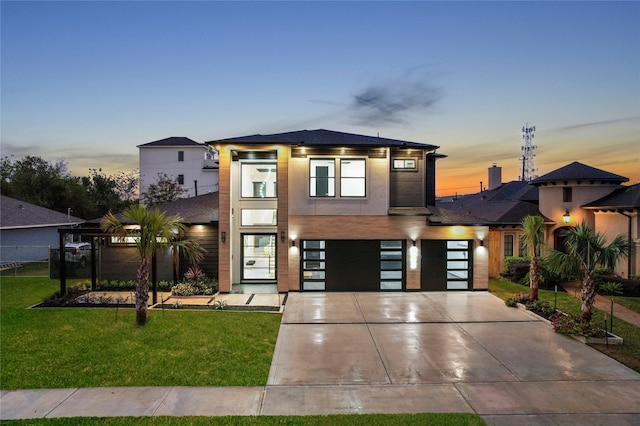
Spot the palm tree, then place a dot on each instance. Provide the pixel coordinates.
(533, 239)
(153, 230)
(585, 251)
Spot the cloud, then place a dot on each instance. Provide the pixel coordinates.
(391, 102)
(596, 123)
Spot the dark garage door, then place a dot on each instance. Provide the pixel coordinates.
(353, 265)
(446, 265)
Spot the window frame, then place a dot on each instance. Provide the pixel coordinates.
(362, 178)
(180, 155)
(270, 164)
(331, 180)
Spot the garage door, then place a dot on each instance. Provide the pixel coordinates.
(353, 265)
(446, 265)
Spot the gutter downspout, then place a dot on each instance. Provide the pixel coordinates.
(630, 240)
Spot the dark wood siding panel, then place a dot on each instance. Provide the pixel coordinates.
(121, 263)
(207, 235)
(406, 187)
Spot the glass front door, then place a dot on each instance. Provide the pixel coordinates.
(259, 257)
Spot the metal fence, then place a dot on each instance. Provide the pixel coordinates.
(25, 261)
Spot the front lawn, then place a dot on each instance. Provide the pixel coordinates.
(628, 353)
(94, 347)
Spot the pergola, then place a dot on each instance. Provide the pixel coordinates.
(95, 234)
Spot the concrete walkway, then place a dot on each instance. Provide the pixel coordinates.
(604, 304)
(340, 353)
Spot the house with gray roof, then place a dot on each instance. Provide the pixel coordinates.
(28, 231)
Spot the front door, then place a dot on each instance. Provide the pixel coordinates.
(258, 257)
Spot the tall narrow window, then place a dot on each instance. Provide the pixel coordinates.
(508, 245)
(352, 177)
(180, 155)
(567, 194)
(322, 178)
(181, 179)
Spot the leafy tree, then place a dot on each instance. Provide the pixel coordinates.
(586, 250)
(164, 189)
(110, 193)
(42, 183)
(533, 239)
(155, 231)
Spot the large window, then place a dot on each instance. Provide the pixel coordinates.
(259, 180)
(322, 177)
(352, 177)
(458, 265)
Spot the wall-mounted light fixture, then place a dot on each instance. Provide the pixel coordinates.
(413, 256)
(282, 236)
(566, 217)
(293, 243)
(223, 236)
(481, 243)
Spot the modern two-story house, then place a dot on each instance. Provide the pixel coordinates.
(323, 210)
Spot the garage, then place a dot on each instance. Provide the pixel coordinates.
(353, 265)
(446, 265)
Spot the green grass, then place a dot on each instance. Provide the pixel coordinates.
(632, 303)
(87, 347)
(628, 353)
(435, 419)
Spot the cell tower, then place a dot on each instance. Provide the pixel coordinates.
(528, 152)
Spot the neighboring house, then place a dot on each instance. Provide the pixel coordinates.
(330, 211)
(119, 260)
(192, 164)
(28, 231)
(564, 197)
(503, 205)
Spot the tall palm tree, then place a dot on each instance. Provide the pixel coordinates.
(585, 251)
(152, 231)
(533, 239)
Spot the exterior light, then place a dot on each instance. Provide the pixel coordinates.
(413, 256)
(566, 217)
(481, 243)
(293, 243)
(223, 236)
(282, 236)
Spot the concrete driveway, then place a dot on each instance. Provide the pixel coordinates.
(440, 352)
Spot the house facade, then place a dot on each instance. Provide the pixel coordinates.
(563, 197)
(27, 231)
(193, 165)
(330, 211)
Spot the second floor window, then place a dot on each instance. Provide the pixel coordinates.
(259, 180)
(352, 177)
(180, 155)
(322, 177)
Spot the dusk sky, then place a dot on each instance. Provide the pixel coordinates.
(89, 81)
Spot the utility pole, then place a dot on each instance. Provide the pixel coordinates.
(528, 152)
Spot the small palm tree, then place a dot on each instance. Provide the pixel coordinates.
(585, 251)
(153, 231)
(533, 239)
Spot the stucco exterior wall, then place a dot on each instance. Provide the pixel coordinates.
(154, 160)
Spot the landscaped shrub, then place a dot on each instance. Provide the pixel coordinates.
(515, 268)
(517, 298)
(195, 282)
(570, 324)
(543, 309)
(129, 285)
(630, 288)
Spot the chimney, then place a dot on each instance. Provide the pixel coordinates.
(495, 177)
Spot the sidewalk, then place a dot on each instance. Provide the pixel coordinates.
(604, 304)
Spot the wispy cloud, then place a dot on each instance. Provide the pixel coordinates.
(391, 102)
(596, 123)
